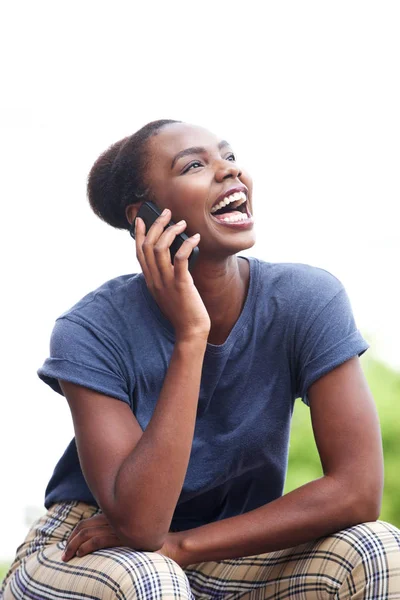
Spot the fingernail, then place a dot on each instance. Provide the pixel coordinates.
(196, 236)
(181, 222)
(164, 212)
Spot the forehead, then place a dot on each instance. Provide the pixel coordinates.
(173, 138)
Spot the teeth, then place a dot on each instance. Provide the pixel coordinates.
(232, 198)
(234, 218)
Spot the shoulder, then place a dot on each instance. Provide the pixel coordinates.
(299, 282)
(103, 316)
(109, 298)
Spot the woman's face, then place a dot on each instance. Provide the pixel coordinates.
(195, 174)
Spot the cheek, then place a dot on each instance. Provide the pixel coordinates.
(187, 197)
(247, 180)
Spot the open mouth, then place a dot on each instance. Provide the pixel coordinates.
(232, 209)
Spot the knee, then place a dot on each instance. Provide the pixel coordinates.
(374, 553)
(147, 575)
(374, 540)
(110, 574)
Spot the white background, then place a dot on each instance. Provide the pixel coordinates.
(307, 93)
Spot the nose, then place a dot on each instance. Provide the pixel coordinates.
(226, 170)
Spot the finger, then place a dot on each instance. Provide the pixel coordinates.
(147, 247)
(162, 252)
(140, 234)
(82, 533)
(95, 521)
(181, 270)
(158, 226)
(150, 237)
(145, 255)
(81, 537)
(97, 543)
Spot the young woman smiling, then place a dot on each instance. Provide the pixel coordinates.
(181, 387)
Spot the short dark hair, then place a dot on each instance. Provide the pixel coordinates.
(117, 178)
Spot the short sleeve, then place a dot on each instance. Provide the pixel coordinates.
(328, 335)
(85, 356)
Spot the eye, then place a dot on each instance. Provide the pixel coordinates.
(231, 157)
(195, 164)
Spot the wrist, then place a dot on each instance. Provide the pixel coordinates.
(192, 338)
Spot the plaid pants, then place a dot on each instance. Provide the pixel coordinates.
(362, 562)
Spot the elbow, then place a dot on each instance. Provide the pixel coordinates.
(365, 505)
(138, 538)
(146, 543)
(367, 509)
(139, 532)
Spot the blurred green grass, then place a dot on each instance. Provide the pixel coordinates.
(304, 463)
(3, 571)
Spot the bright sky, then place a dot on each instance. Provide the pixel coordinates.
(308, 94)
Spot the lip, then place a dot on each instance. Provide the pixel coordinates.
(237, 188)
(238, 225)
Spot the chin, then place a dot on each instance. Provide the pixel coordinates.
(245, 244)
(217, 247)
(250, 244)
(240, 246)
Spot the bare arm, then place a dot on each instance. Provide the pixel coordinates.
(136, 477)
(348, 438)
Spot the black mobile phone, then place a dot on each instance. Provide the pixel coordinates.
(149, 212)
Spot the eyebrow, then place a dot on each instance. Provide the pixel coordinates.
(195, 150)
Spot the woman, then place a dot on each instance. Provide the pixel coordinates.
(181, 388)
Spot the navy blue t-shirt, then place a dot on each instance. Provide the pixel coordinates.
(296, 325)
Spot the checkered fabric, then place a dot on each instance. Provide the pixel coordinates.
(362, 562)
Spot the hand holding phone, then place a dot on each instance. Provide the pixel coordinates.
(149, 212)
(171, 286)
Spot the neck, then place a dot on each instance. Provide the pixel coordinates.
(223, 288)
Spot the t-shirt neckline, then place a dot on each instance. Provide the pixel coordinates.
(247, 310)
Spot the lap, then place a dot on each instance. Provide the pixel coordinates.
(109, 574)
(363, 560)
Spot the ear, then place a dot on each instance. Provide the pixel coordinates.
(132, 210)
